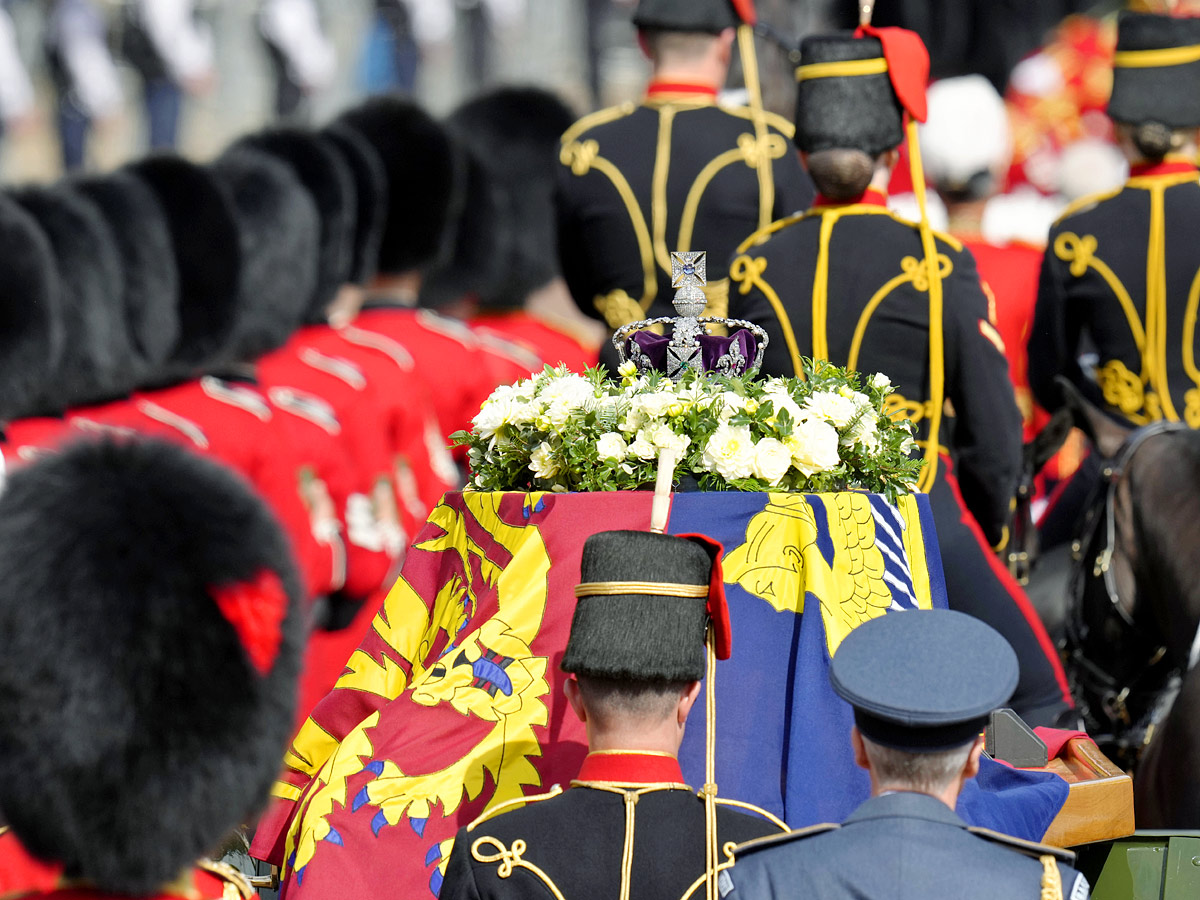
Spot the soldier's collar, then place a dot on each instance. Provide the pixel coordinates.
(869, 197)
(1168, 166)
(686, 91)
(630, 767)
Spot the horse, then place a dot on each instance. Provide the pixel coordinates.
(1131, 637)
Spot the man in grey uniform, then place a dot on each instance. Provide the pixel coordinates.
(922, 685)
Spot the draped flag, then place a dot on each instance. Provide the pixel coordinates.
(452, 704)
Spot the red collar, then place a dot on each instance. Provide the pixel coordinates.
(681, 89)
(630, 767)
(1166, 167)
(869, 197)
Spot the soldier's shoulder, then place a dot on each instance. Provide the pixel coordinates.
(596, 120)
(772, 232)
(513, 811)
(773, 121)
(749, 848)
(1087, 204)
(1027, 848)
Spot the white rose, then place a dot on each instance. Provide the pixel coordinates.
(541, 461)
(611, 446)
(642, 448)
(782, 400)
(881, 381)
(814, 446)
(664, 438)
(730, 452)
(572, 391)
(771, 460)
(827, 405)
(495, 412)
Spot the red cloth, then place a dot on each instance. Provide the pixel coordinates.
(537, 338)
(869, 197)
(630, 767)
(664, 88)
(1056, 739)
(908, 66)
(21, 872)
(205, 886)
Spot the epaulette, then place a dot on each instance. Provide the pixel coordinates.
(599, 117)
(1029, 848)
(501, 807)
(1085, 203)
(774, 840)
(230, 876)
(780, 123)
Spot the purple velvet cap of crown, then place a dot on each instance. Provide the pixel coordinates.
(712, 350)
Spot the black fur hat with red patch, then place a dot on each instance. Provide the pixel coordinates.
(202, 223)
(95, 363)
(514, 132)
(323, 172)
(150, 638)
(370, 193)
(423, 170)
(143, 240)
(712, 16)
(31, 327)
(280, 233)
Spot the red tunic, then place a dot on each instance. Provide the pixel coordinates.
(551, 345)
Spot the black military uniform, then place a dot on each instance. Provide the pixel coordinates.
(628, 826)
(1119, 272)
(919, 682)
(851, 283)
(676, 172)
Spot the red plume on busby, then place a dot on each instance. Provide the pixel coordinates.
(150, 635)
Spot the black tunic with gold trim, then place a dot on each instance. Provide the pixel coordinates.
(627, 828)
(677, 172)
(848, 283)
(1121, 277)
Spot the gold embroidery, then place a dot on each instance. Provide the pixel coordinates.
(747, 272)
(897, 406)
(509, 859)
(1122, 390)
(1191, 411)
(596, 119)
(554, 791)
(754, 150)
(1051, 878)
(663, 588)
(766, 814)
(658, 186)
(580, 155)
(1081, 254)
(618, 308)
(918, 272)
(726, 848)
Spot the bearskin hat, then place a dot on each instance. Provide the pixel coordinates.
(96, 352)
(422, 176)
(150, 632)
(280, 231)
(656, 634)
(31, 327)
(371, 192)
(323, 172)
(1155, 70)
(712, 16)
(143, 240)
(514, 132)
(208, 257)
(859, 112)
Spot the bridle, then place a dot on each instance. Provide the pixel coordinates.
(1097, 543)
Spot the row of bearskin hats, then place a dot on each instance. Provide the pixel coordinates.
(149, 274)
(150, 617)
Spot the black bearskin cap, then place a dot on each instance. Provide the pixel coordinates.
(329, 182)
(280, 235)
(143, 239)
(514, 132)
(422, 168)
(370, 194)
(636, 637)
(95, 363)
(1165, 94)
(482, 247)
(150, 631)
(31, 327)
(208, 258)
(713, 16)
(855, 112)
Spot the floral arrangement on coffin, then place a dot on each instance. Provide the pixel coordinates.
(560, 431)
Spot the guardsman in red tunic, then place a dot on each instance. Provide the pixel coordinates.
(151, 620)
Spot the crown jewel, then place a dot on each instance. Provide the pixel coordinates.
(690, 345)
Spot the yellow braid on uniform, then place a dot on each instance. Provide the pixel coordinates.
(1051, 879)
(710, 766)
(766, 176)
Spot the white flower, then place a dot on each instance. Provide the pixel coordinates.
(496, 411)
(881, 381)
(627, 369)
(572, 391)
(654, 406)
(730, 452)
(611, 446)
(664, 438)
(782, 400)
(541, 461)
(771, 460)
(814, 446)
(831, 406)
(642, 448)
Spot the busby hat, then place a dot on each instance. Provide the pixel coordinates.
(150, 629)
(279, 232)
(323, 172)
(514, 132)
(1155, 71)
(712, 16)
(208, 256)
(923, 681)
(31, 327)
(370, 194)
(95, 362)
(853, 89)
(645, 601)
(422, 171)
(143, 240)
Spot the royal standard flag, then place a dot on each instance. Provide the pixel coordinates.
(452, 704)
